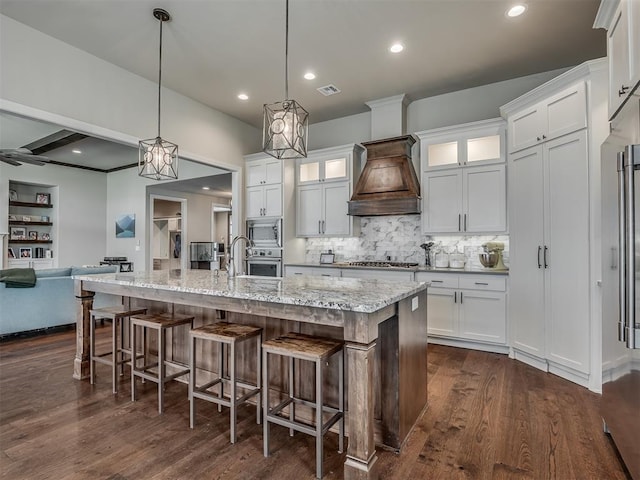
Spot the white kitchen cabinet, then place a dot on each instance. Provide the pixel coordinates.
(469, 144)
(263, 192)
(621, 19)
(377, 274)
(464, 200)
(557, 115)
(266, 171)
(469, 310)
(463, 178)
(293, 270)
(324, 183)
(264, 201)
(549, 253)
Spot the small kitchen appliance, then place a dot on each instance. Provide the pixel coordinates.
(427, 253)
(492, 255)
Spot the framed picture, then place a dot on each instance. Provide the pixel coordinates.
(45, 236)
(33, 235)
(43, 198)
(13, 196)
(326, 257)
(18, 233)
(25, 252)
(126, 226)
(11, 253)
(26, 218)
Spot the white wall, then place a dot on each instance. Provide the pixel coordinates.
(478, 103)
(46, 74)
(79, 205)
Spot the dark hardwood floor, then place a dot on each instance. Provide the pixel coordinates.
(488, 418)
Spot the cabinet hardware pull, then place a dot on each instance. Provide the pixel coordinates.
(455, 297)
(538, 138)
(323, 229)
(319, 226)
(465, 222)
(614, 258)
(459, 219)
(436, 281)
(623, 90)
(546, 265)
(481, 283)
(461, 298)
(539, 250)
(544, 137)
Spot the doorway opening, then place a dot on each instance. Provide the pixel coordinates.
(168, 225)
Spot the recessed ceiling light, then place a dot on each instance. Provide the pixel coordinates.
(396, 48)
(516, 10)
(243, 96)
(206, 188)
(309, 75)
(75, 150)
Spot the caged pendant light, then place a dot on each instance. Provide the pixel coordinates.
(286, 123)
(158, 158)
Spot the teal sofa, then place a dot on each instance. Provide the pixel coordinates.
(51, 303)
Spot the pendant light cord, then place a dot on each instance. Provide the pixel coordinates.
(286, 53)
(159, 75)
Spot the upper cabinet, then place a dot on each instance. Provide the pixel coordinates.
(324, 185)
(621, 19)
(464, 179)
(263, 193)
(469, 144)
(563, 113)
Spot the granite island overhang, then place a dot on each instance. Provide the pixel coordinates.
(383, 324)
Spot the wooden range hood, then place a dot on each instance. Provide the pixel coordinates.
(388, 184)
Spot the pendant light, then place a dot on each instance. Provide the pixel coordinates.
(286, 123)
(158, 158)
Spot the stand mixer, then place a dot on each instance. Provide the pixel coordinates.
(497, 248)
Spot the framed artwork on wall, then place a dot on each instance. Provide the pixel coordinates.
(126, 226)
(43, 198)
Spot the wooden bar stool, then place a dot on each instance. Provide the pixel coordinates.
(161, 323)
(230, 334)
(313, 349)
(115, 357)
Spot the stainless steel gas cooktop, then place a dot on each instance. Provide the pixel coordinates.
(383, 264)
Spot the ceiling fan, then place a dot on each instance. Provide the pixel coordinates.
(17, 156)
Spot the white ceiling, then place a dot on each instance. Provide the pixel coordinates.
(215, 49)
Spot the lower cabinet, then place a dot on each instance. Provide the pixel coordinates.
(466, 309)
(377, 274)
(292, 270)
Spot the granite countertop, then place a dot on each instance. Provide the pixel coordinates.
(350, 294)
(403, 269)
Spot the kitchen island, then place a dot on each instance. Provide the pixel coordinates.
(382, 323)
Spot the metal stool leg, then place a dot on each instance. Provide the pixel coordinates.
(161, 368)
(134, 360)
(220, 372)
(114, 354)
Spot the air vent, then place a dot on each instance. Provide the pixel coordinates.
(328, 90)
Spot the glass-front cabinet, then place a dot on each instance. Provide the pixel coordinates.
(329, 169)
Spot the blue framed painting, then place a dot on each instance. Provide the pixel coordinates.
(126, 226)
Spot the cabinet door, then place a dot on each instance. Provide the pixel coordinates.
(335, 169)
(526, 278)
(160, 239)
(618, 53)
(327, 272)
(483, 316)
(273, 171)
(442, 201)
(273, 200)
(308, 171)
(255, 201)
(309, 211)
(525, 128)
(443, 154)
(335, 210)
(291, 271)
(442, 314)
(485, 199)
(376, 274)
(565, 112)
(256, 173)
(567, 238)
(41, 263)
(19, 263)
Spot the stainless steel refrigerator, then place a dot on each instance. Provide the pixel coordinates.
(620, 177)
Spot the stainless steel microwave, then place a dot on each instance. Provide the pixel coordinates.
(265, 233)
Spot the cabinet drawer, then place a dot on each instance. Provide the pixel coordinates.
(483, 282)
(438, 280)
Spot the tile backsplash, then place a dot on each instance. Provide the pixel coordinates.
(398, 238)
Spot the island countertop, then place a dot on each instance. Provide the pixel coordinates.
(347, 294)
